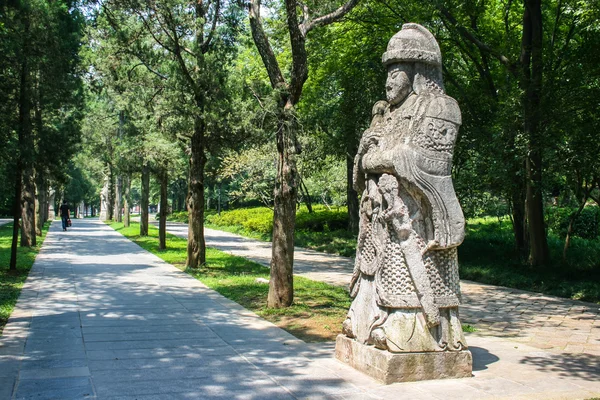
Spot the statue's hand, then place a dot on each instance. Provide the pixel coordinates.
(432, 244)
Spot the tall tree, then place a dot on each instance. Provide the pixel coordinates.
(187, 34)
(300, 21)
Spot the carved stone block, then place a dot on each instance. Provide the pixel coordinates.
(390, 367)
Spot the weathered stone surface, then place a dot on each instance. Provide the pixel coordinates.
(405, 282)
(51, 199)
(390, 367)
(104, 202)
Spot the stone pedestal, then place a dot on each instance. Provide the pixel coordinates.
(390, 367)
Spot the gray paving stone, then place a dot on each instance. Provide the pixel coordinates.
(179, 328)
(53, 389)
(172, 352)
(205, 384)
(198, 333)
(6, 386)
(198, 394)
(146, 344)
(27, 365)
(54, 372)
(215, 362)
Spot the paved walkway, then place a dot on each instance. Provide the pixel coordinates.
(4, 221)
(101, 318)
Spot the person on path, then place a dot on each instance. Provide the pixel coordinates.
(64, 214)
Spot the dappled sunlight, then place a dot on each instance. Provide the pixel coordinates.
(581, 366)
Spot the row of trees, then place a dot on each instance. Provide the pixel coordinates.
(40, 107)
(522, 72)
(167, 72)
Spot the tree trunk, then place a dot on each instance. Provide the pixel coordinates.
(351, 194)
(144, 202)
(40, 204)
(111, 190)
(28, 237)
(16, 215)
(219, 198)
(306, 195)
(281, 288)
(118, 212)
(572, 219)
(518, 218)
(162, 224)
(51, 207)
(24, 131)
(531, 59)
(26, 146)
(127, 201)
(196, 247)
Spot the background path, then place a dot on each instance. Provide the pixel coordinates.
(101, 318)
(4, 221)
(544, 322)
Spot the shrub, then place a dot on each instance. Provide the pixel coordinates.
(258, 219)
(586, 226)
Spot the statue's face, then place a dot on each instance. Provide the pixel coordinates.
(399, 83)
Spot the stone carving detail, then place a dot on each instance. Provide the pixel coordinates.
(104, 201)
(405, 283)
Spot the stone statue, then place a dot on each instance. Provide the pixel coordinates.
(51, 199)
(104, 202)
(405, 283)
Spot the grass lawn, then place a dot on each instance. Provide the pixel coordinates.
(318, 310)
(12, 282)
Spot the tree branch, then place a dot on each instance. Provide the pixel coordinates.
(328, 18)
(142, 62)
(206, 44)
(481, 45)
(264, 47)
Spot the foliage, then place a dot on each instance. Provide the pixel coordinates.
(260, 219)
(585, 226)
(11, 282)
(489, 256)
(41, 76)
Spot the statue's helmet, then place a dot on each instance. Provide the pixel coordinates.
(413, 43)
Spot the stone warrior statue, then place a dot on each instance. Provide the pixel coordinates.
(405, 283)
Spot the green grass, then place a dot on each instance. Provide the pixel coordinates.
(12, 282)
(318, 310)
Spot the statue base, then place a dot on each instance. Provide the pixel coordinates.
(403, 367)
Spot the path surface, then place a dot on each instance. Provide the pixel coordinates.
(4, 221)
(101, 318)
(544, 322)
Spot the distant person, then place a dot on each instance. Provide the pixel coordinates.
(64, 214)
